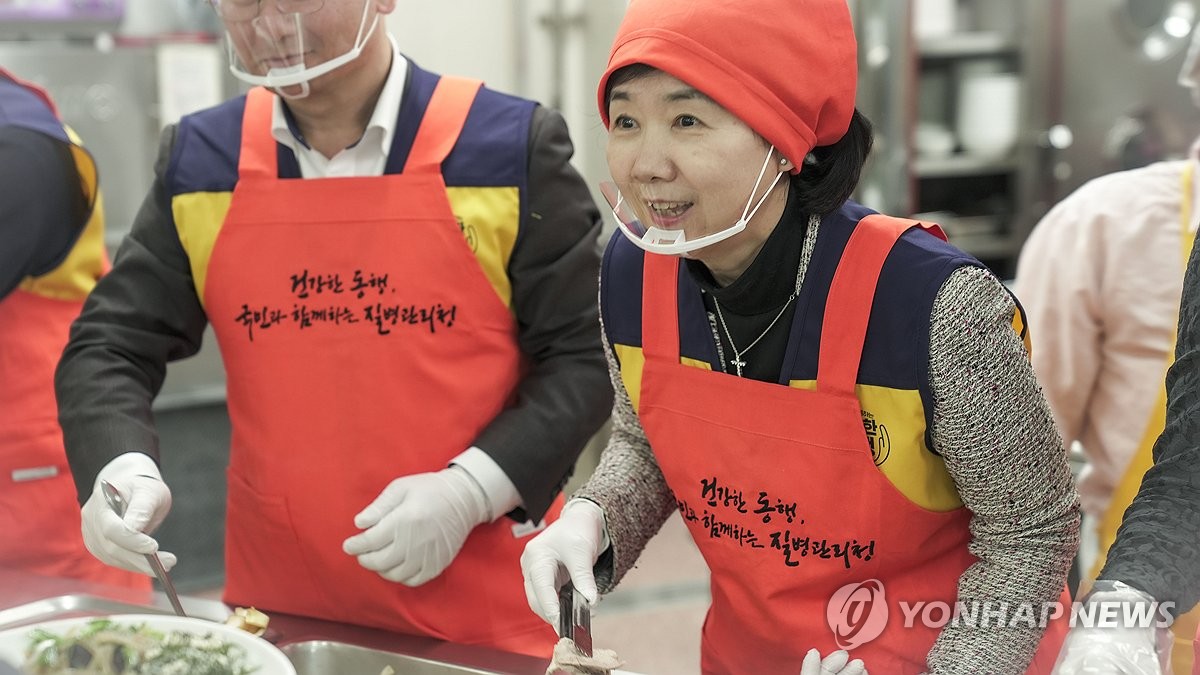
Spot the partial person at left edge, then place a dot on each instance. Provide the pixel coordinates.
(400, 269)
(51, 254)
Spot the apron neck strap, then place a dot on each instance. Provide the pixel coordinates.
(258, 156)
(660, 307)
(851, 293)
(442, 123)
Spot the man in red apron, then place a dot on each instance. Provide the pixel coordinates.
(835, 401)
(400, 271)
(52, 229)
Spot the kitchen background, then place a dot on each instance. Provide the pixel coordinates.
(986, 113)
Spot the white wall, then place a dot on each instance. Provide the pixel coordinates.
(507, 43)
(476, 38)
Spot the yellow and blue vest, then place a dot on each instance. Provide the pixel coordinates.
(893, 383)
(485, 174)
(75, 277)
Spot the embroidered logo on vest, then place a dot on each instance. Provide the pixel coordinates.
(469, 234)
(877, 436)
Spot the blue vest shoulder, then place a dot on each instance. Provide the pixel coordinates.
(621, 290)
(21, 107)
(205, 155)
(494, 146)
(896, 349)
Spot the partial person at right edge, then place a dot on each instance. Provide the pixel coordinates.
(1121, 313)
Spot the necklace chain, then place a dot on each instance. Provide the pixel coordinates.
(738, 362)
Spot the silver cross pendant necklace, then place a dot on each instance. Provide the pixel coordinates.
(738, 362)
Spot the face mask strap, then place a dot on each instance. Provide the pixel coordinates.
(681, 244)
(747, 214)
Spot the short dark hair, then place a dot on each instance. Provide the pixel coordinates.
(829, 174)
(622, 75)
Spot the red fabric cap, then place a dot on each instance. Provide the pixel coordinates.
(787, 68)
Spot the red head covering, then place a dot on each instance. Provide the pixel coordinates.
(787, 68)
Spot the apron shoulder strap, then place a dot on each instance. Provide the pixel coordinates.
(660, 307)
(442, 123)
(851, 293)
(257, 157)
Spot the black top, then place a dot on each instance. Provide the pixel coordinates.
(43, 208)
(750, 303)
(1157, 549)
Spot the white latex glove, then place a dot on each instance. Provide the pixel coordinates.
(837, 663)
(416, 526)
(124, 542)
(1115, 650)
(566, 550)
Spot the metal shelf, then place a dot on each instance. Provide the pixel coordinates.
(962, 164)
(961, 45)
(984, 246)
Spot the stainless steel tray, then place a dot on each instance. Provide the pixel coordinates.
(81, 604)
(321, 657)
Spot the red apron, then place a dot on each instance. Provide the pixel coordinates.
(39, 515)
(780, 492)
(363, 343)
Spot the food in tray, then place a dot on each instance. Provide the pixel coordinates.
(568, 660)
(250, 620)
(105, 647)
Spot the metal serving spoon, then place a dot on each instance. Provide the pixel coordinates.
(117, 503)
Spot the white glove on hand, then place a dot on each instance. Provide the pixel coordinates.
(124, 542)
(1115, 650)
(837, 663)
(416, 526)
(567, 549)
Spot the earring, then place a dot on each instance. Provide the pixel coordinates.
(783, 161)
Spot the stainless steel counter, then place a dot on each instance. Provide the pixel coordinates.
(313, 646)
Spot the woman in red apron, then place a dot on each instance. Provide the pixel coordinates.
(838, 403)
(39, 516)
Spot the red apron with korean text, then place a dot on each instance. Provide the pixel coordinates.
(779, 490)
(363, 342)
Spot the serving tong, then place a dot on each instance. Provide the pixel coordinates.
(117, 503)
(575, 618)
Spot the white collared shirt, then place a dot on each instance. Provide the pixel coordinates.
(368, 156)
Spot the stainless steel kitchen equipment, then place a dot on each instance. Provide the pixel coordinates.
(313, 646)
(1097, 94)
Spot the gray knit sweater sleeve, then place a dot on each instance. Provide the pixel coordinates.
(994, 429)
(628, 485)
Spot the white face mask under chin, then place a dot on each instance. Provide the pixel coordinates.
(299, 75)
(675, 242)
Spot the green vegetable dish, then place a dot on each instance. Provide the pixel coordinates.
(104, 647)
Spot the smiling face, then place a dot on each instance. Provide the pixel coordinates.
(685, 162)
